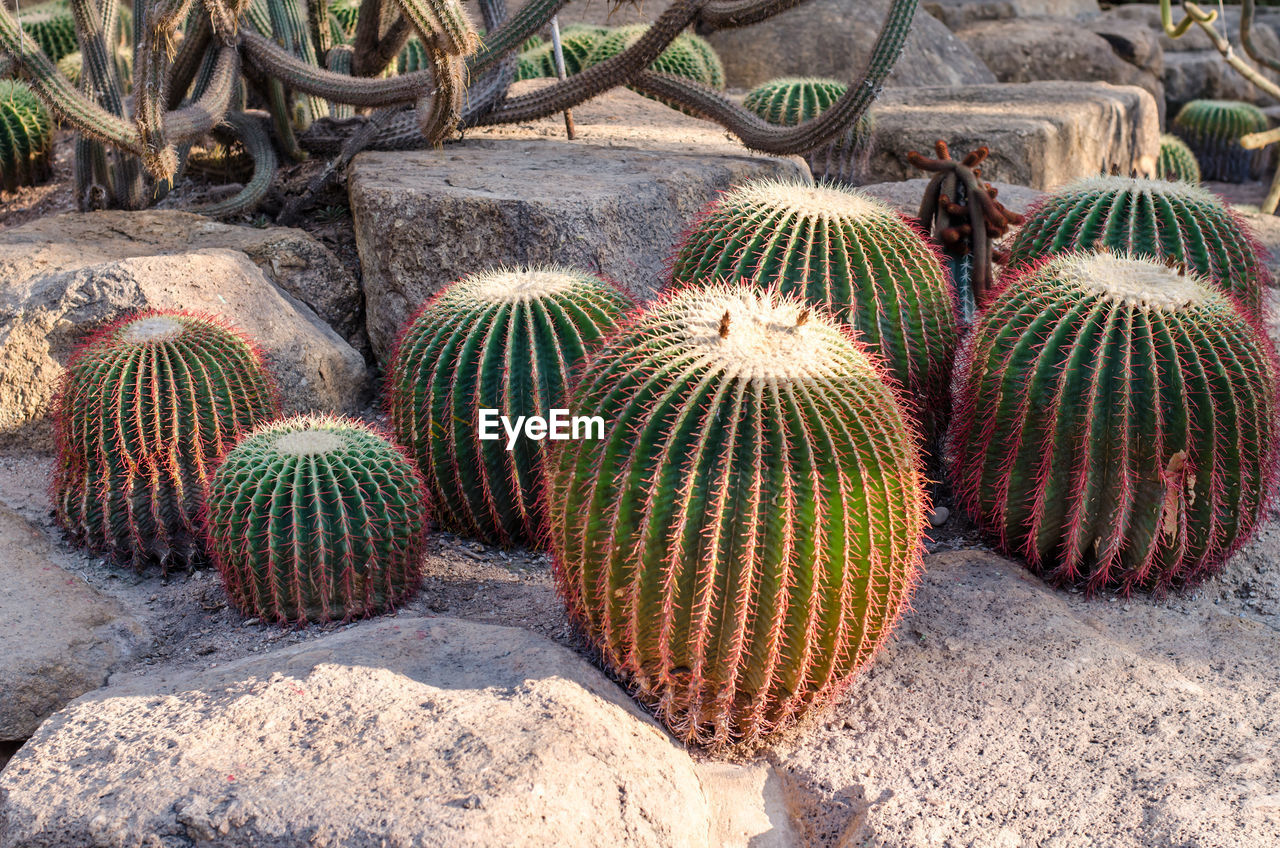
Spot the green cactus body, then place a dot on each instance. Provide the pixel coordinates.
(509, 341)
(315, 519)
(684, 57)
(577, 43)
(52, 26)
(794, 100)
(145, 410)
(70, 66)
(847, 253)
(347, 14)
(747, 532)
(1212, 129)
(1115, 423)
(1177, 163)
(26, 136)
(1172, 222)
(413, 57)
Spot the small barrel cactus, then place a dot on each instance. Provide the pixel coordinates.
(1172, 222)
(346, 13)
(577, 43)
(26, 136)
(1115, 423)
(314, 519)
(747, 532)
(689, 56)
(1212, 129)
(146, 408)
(507, 341)
(52, 26)
(1177, 163)
(848, 253)
(794, 100)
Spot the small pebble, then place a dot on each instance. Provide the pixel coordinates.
(939, 516)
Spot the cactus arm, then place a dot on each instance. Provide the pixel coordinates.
(186, 65)
(531, 18)
(199, 117)
(1180, 29)
(367, 36)
(289, 29)
(373, 60)
(1246, 38)
(321, 34)
(446, 21)
(160, 22)
(249, 132)
(731, 14)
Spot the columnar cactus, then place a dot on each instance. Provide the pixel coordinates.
(689, 56)
(848, 253)
(146, 408)
(1173, 222)
(507, 341)
(792, 100)
(1115, 423)
(1212, 129)
(26, 136)
(314, 519)
(747, 532)
(1177, 163)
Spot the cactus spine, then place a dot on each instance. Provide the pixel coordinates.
(506, 340)
(1212, 129)
(146, 407)
(1172, 222)
(747, 533)
(1177, 163)
(792, 100)
(1115, 423)
(26, 136)
(314, 519)
(849, 254)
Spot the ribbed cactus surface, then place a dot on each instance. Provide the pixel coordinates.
(52, 26)
(793, 100)
(26, 136)
(747, 532)
(1115, 423)
(847, 253)
(1212, 129)
(146, 408)
(688, 56)
(1177, 163)
(314, 519)
(577, 43)
(507, 341)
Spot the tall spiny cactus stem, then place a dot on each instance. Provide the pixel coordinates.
(26, 136)
(1177, 163)
(847, 253)
(1175, 222)
(507, 341)
(1115, 423)
(146, 408)
(747, 532)
(315, 519)
(1213, 128)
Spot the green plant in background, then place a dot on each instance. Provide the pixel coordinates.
(688, 56)
(789, 101)
(1115, 423)
(26, 137)
(1177, 163)
(52, 27)
(747, 532)
(316, 518)
(577, 43)
(505, 340)
(1173, 222)
(847, 253)
(1213, 128)
(146, 408)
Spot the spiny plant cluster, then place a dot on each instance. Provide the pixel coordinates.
(26, 137)
(1176, 162)
(1213, 128)
(789, 101)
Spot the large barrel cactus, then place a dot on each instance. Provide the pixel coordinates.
(146, 408)
(506, 341)
(747, 532)
(1115, 423)
(314, 519)
(848, 253)
(792, 100)
(26, 136)
(1212, 129)
(52, 26)
(1173, 222)
(1177, 163)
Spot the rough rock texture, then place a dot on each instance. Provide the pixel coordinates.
(834, 38)
(53, 299)
(60, 637)
(1041, 134)
(905, 196)
(1266, 230)
(404, 731)
(960, 13)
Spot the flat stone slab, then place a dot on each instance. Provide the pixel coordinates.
(60, 639)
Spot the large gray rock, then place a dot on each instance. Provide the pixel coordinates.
(957, 14)
(834, 38)
(60, 639)
(404, 731)
(1041, 134)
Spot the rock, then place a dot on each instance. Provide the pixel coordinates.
(957, 14)
(1266, 232)
(834, 38)
(53, 299)
(402, 731)
(61, 638)
(939, 515)
(905, 195)
(1041, 134)
(1007, 713)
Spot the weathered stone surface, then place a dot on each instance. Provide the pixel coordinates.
(60, 637)
(53, 299)
(960, 13)
(403, 731)
(834, 38)
(905, 195)
(1266, 231)
(1041, 134)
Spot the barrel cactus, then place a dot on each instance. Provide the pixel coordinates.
(26, 136)
(793, 100)
(316, 518)
(52, 26)
(689, 56)
(1172, 222)
(848, 253)
(1115, 423)
(577, 43)
(506, 341)
(747, 532)
(1212, 129)
(146, 408)
(1177, 163)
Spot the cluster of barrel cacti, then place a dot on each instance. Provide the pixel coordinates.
(1213, 129)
